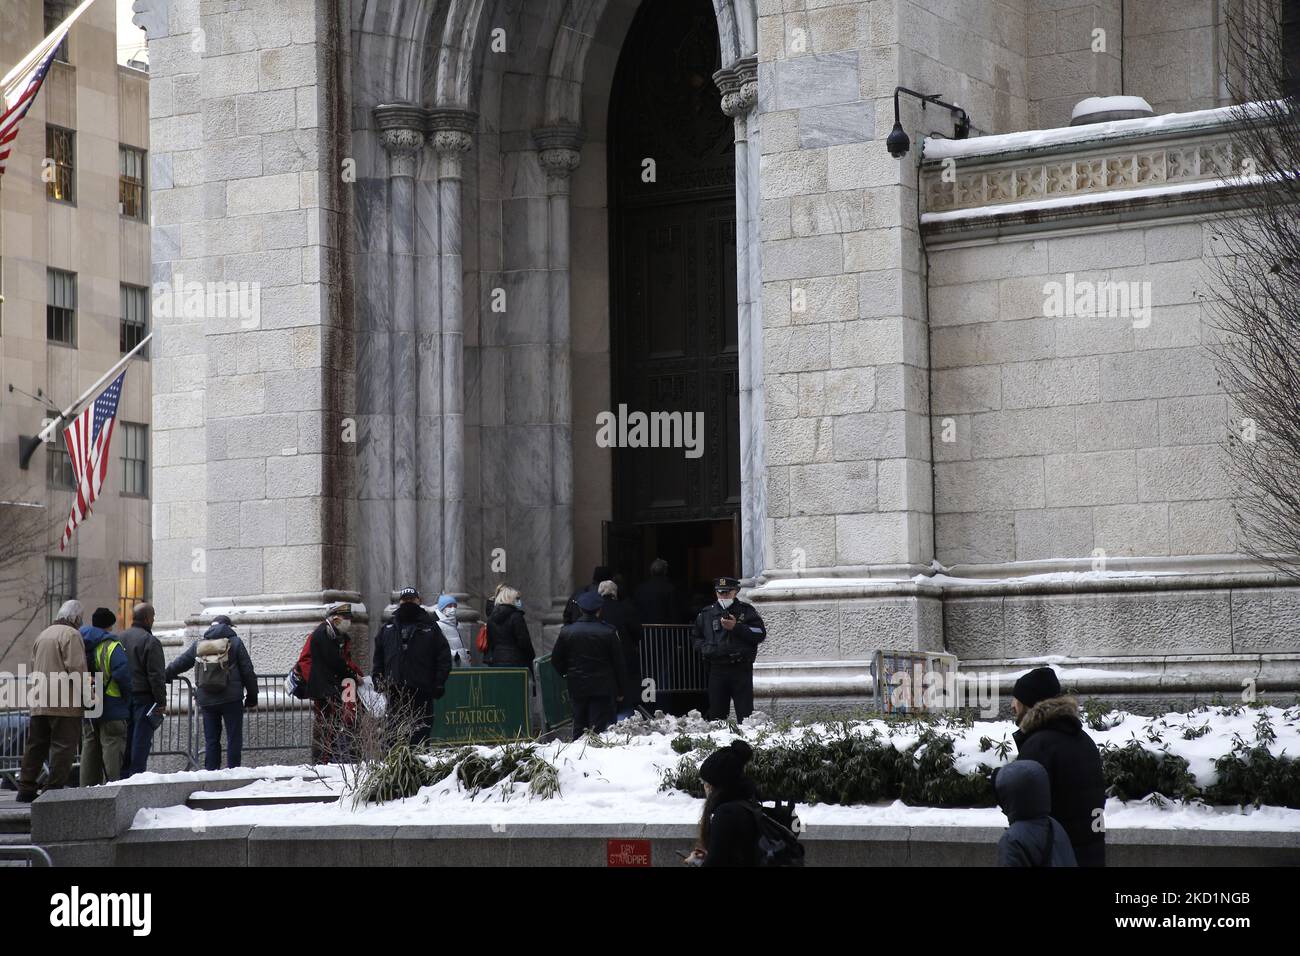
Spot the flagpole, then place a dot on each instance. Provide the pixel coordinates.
(66, 413)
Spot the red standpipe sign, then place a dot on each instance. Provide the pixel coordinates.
(628, 853)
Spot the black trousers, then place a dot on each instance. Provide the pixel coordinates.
(411, 704)
(730, 683)
(596, 713)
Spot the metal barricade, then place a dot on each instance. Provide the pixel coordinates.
(279, 722)
(669, 659)
(176, 737)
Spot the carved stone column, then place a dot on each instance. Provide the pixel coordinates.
(452, 133)
(559, 155)
(739, 87)
(401, 131)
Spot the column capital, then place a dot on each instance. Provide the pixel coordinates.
(559, 151)
(401, 130)
(738, 84)
(452, 131)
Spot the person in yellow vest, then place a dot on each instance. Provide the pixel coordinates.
(103, 738)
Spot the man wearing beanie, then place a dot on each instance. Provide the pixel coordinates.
(411, 664)
(1051, 733)
(588, 656)
(728, 829)
(103, 738)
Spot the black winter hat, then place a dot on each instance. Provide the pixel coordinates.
(724, 768)
(1038, 684)
(103, 617)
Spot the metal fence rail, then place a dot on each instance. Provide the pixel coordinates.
(279, 722)
(669, 659)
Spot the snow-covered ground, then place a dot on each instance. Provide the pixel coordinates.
(619, 783)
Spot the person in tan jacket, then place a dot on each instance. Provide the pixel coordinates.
(58, 701)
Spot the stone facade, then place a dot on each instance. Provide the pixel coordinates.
(105, 106)
(905, 398)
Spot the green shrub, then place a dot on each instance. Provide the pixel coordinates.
(1252, 775)
(1132, 772)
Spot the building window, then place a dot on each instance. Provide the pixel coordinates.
(135, 459)
(60, 584)
(58, 467)
(61, 307)
(130, 182)
(135, 324)
(56, 13)
(132, 582)
(60, 156)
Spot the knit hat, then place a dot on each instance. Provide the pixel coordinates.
(103, 617)
(724, 768)
(444, 600)
(1038, 684)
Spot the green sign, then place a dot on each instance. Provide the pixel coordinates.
(484, 705)
(556, 707)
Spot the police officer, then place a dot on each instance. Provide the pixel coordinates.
(588, 655)
(727, 635)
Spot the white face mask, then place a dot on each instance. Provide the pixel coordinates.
(342, 625)
(725, 603)
(448, 614)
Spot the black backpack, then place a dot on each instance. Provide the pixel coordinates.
(778, 834)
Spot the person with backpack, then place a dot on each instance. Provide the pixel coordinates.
(1052, 733)
(328, 677)
(411, 663)
(103, 738)
(1033, 838)
(224, 686)
(735, 830)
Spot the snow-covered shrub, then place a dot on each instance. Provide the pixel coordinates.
(1135, 771)
(1252, 775)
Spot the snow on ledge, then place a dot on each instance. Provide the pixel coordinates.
(935, 148)
(1168, 190)
(1109, 104)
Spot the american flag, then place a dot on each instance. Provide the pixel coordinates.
(87, 440)
(21, 84)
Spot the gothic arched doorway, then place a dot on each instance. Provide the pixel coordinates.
(673, 309)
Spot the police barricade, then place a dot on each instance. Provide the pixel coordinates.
(557, 709)
(279, 727)
(174, 739)
(678, 674)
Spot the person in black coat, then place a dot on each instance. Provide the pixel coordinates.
(727, 635)
(223, 705)
(411, 663)
(509, 643)
(657, 601)
(588, 655)
(728, 825)
(148, 686)
(331, 677)
(621, 616)
(1052, 733)
(1034, 838)
(571, 610)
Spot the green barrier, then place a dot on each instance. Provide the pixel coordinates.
(484, 705)
(556, 707)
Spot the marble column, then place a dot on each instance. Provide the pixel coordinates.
(559, 154)
(401, 131)
(452, 132)
(739, 86)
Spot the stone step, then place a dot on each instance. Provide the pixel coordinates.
(218, 801)
(16, 819)
(15, 839)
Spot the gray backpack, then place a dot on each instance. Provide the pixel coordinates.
(212, 664)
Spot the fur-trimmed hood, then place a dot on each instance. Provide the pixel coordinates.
(1058, 713)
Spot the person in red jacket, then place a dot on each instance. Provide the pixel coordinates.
(331, 677)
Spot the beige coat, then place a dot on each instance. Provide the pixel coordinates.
(56, 675)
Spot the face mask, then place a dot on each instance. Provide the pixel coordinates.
(520, 604)
(448, 614)
(343, 626)
(726, 602)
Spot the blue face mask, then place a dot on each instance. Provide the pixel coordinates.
(520, 604)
